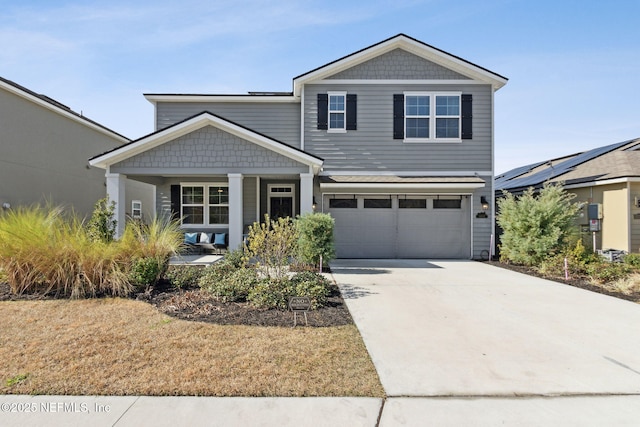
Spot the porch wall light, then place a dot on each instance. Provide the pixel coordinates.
(484, 203)
(314, 205)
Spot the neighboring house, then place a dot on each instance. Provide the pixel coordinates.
(607, 176)
(44, 147)
(395, 141)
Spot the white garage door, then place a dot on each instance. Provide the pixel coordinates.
(401, 226)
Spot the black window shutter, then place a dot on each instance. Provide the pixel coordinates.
(467, 116)
(398, 116)
(175, 201)
(323, 110)
(352, 111)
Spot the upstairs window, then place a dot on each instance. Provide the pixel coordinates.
(417, 116)
(448, 117)
(432, 117)
(337, 111)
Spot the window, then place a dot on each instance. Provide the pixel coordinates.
(447, 204)
(377, 203)
(448, 117)
(337, 111)
(136, 209)
(343, 203)
(219, 204)
(195, 209)
(417, 116)
(412, 203)
(432, 117)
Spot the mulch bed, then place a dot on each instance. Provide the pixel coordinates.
(581, 283)
(196, 305)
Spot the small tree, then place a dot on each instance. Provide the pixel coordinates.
(536, 227)
(102, 225)
(315, 241)
(273, 245)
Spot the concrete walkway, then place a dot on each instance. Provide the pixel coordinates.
(133, 411)
(461, 341)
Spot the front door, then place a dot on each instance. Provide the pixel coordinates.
(281, 201)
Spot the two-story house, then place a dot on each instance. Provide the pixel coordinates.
(395, 141)
(44, 146)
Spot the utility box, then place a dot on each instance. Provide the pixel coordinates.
(594, 211)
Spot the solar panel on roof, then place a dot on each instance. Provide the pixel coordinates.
(503, 182)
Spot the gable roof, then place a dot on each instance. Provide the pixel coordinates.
(194, 123)
(619, 160)
(402, 41)
(58, 108)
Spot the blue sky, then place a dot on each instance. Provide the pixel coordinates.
(573, 66)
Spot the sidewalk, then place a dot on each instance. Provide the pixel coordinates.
(134, 411)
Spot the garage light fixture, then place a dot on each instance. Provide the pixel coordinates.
(484, 203)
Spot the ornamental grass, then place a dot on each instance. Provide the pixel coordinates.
(44, 249)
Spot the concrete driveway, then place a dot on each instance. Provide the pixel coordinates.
(467, 330)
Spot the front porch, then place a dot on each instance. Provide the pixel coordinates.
(219, 203)
(214, 175)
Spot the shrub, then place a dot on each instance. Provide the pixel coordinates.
(272, 244)
(227, 283)
(578, 262)
(633, 260)
(535, 227)
(102, 225)
(271, 293)
(314, 286)
(606, 272)
(275, 293)
(145, 272)
(236, 258)
(184, 276)
(315, 241)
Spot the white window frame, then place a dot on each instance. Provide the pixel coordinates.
(136, 209)
(205, 203)
(342, 129)
(433, 117)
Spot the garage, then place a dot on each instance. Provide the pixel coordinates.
(401, 226)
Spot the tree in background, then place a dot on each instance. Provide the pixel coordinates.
(536, 226)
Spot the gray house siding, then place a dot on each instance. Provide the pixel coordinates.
(208, 151)
(372, 147)
(482, 227)
(398, 65)
(45, 155)
(280, 121)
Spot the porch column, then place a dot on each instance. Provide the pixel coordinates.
(116, 193)
(235, 210)
(306, 193)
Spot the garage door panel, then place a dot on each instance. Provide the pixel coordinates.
(403, 233)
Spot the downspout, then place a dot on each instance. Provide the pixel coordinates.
(302, 118)
(493, 173)
(629, 216)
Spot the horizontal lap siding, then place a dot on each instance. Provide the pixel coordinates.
(635, 222)
(372, 146)
(280, 121)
